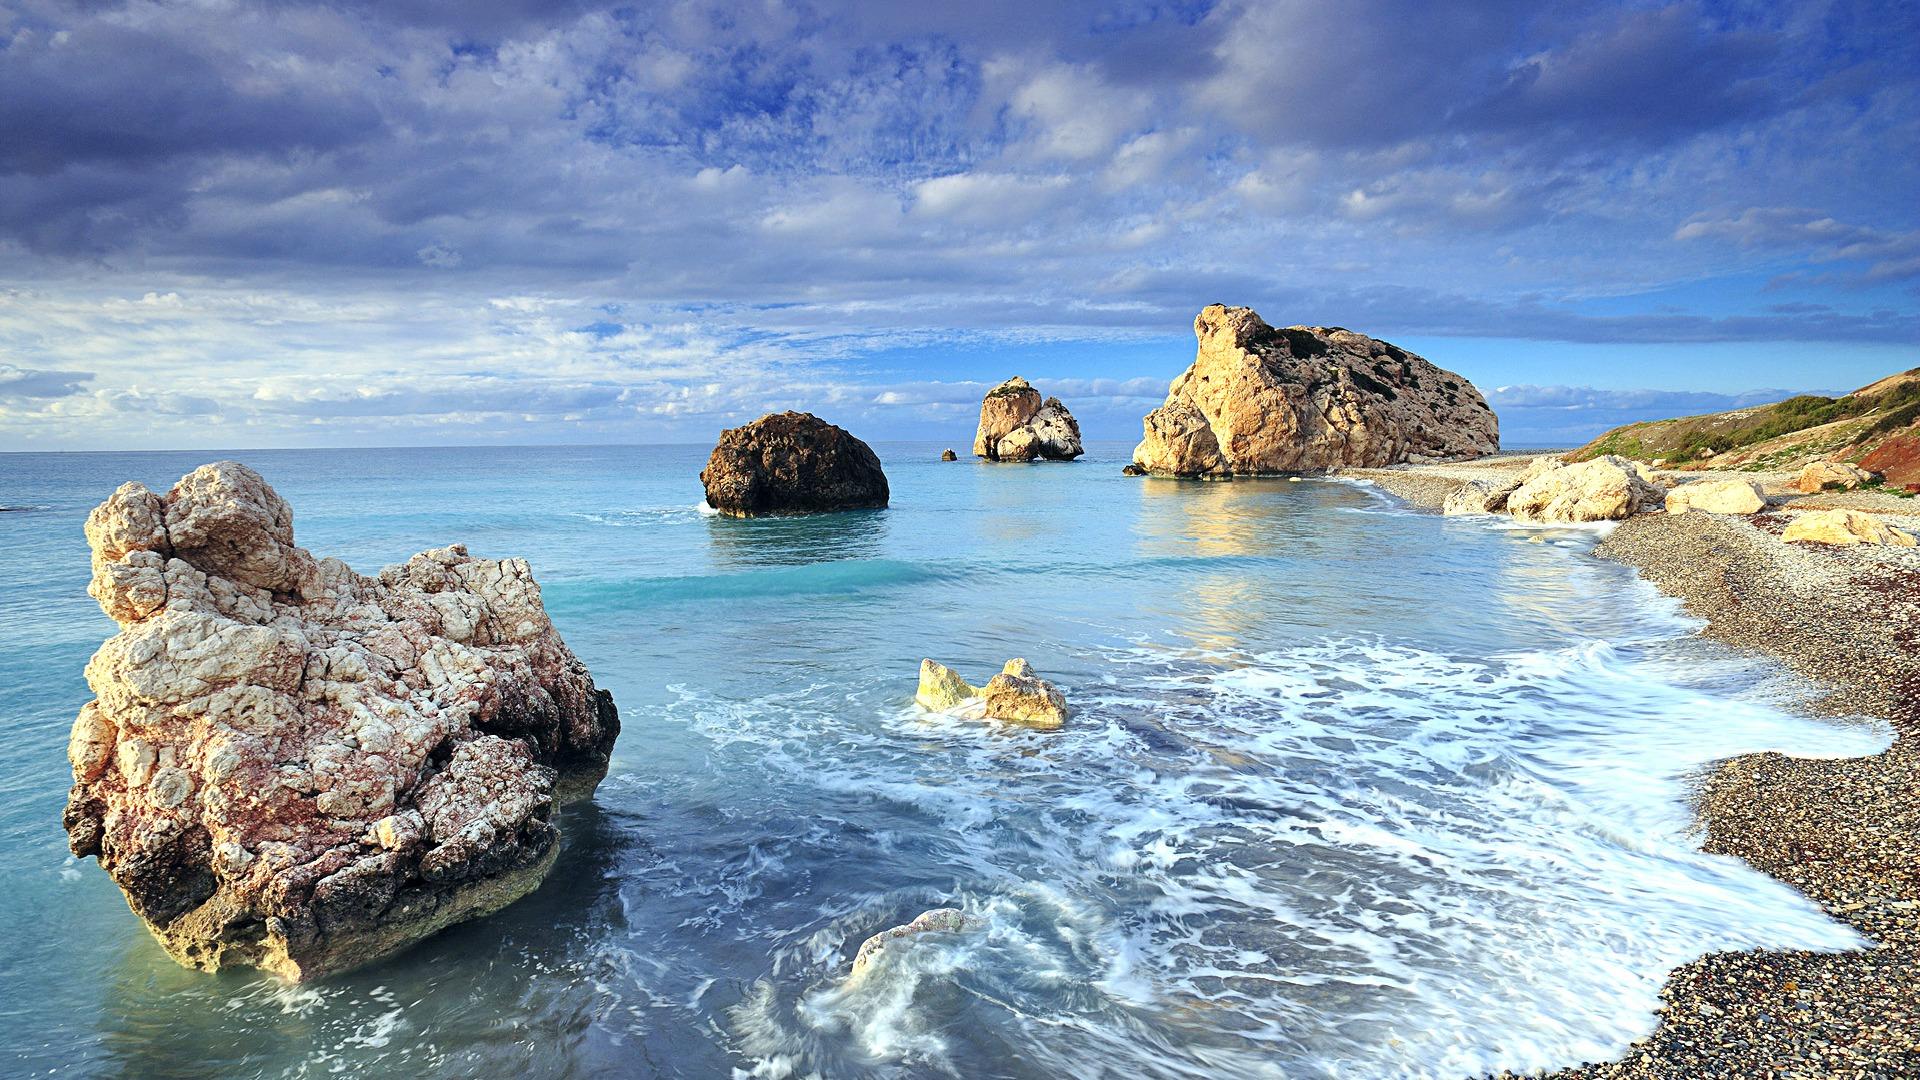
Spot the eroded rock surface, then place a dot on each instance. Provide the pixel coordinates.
(1827, 475)
(1844, 528)
(792, 463)
(293, 767)
(939, 920)
(1307, 399)
(1016, 425)
(1717, 497)
(1604, 489)
(1015, 695)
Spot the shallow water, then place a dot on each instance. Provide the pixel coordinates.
(1349, 791)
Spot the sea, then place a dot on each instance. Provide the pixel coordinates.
(1348, 790)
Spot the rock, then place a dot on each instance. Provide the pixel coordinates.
(942, 689)
(1477, 497)
(1844, 528)
(1828, 475)
(1307, 399)
(1015, 425)
(1717, 497)
(1605, 489)
(1133, 469)
(949, 455)
(792, 463)
(1015, 695)
(293, 767)
(947, 920)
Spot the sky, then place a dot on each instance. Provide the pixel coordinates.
(399, 222)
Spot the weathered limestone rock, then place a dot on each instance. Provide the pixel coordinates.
(949, 455)
(792, 463)
(1016, 695)
(949, 920)
(1605, 489)
(1844, 528)
(293, 767)
(1477, 497)
(942, 689)
(1015, 425)
(1717, 497)
(1307, 399)
(1827, 475)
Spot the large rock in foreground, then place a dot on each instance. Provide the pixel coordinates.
(1308, 399)
(1604, 489)
(1016, 425)
(1717, 497)
(792, 463)
(293, 767)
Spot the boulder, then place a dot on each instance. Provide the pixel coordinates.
(1605, 489)
(1844, 528)
(792, 463)
(1307, 399)
(1829, 475)
(1477, 497)
(1015, 695)
(947, 920)
(1016, 425)
(949, 455)
(1131, 469)
(293, 767)
(1717, 497)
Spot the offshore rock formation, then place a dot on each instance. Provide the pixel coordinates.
(792, 463)
(1307, 399)
(1016, 695)
(1015, 425)
(939, 920)
(293, 767)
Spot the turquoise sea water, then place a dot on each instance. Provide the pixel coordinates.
(1350, 791)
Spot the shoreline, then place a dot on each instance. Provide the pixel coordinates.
(1845, 832)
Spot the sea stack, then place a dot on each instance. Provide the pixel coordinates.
(1307, 399)
(1016, 425)
(792, 463)
(292, 767)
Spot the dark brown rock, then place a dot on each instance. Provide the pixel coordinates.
(792, 463)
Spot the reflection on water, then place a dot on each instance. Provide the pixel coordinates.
(1348, 791)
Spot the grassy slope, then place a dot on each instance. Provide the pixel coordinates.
(1781, 435)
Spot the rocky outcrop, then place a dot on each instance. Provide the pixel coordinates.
(293, 767)
(1016, 425)
(1307, 399)
(1015, 695)
(1844, 528)
(947, 920)
(792, 463)
(1604, 489)
(949, 455)
(1829, 475)
(1717, 497)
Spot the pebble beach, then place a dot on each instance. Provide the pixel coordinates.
(1845, 832)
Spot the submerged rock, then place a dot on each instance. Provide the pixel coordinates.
(293, 767)
(948, 920)
(1844, 528)
(1717, 497)
(1827, 475)
(1015, 695)
(1016, 425)
(1307, 399)
(792, 463)
(1604, 489)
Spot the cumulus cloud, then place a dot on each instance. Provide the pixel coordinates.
(309, 214)
(22, 383)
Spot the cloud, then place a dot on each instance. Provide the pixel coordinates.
(1887, 255)
(19, 382)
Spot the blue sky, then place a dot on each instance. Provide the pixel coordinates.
(227, 224)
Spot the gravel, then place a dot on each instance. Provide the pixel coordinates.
(1844, 832)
